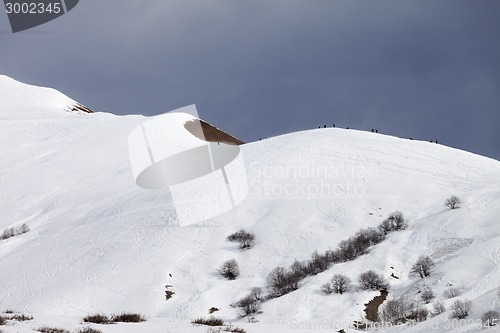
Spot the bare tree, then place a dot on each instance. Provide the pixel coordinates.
(299, 269)
(338, 284)
(251, 304)
(276, 281)
(372, 281)
(422, 267)
(230, 269)
(281, 282)
(461, 309)
(394, 222)
(245, 239)
(452, 202)
(333, 256)
(319, 263)
(427, 295)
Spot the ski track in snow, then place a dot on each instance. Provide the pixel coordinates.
(491, 279)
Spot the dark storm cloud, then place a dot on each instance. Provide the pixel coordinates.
(426, 69)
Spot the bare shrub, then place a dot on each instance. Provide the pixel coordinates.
(245, 239)
(128, 318)
(461, 309)
(491, 318)
(23, 229)
(14, 231)
(419, 313)
(422, 267)
(394, 222)
(452, 202)
(210, 321)
(356, 245)
(228, 328)
(88, 330)
(347, 250)
(400, 310)
(97, 319)
(427, 295)
(20, 317)
(327, 288)
(8, 233)
(281, 282)
(257, 294)
(46, 329)
(214, 330)
(230, 269)
(370, 280)
(395, 311)
(438, 308)
(235, 237)
(119, 318)
(251, 304)
(233, 329)
(2, 320)
(338, 284)
(451, 293)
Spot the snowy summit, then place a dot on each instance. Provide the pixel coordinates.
(78, 237)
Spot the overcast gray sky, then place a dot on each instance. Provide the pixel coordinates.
(428, 69)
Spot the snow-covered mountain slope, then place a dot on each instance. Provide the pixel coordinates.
(22, 101)
(100, 244)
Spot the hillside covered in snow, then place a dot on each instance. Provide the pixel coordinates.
(86, 240)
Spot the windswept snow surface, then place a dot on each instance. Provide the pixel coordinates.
(100, 244)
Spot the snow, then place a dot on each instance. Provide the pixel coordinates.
(25, 102)
(100, 244)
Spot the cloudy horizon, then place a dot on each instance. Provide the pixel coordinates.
(416, 68)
